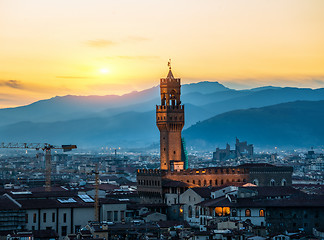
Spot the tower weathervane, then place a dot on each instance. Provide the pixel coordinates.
(169, 63)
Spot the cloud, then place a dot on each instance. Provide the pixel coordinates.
(134, 57)
(12, 84)
(100, 43)
(137, 39)
(72, 77)
(318, 81)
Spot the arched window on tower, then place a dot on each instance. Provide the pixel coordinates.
(173, 98)
(283, 182)
(272, 182)
(261, 213)
(256, 182)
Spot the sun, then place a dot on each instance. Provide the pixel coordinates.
(104, 70)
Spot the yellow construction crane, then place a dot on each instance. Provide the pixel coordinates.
(45, 147)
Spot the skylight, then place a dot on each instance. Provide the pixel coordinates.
(86, 198)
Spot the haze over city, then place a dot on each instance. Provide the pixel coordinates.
(51, 48)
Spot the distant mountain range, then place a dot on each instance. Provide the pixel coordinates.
(293, 124)
(129, 120)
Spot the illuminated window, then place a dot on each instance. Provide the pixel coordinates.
(247, 213)
(261, 213)
(218, 211)
(226, 211)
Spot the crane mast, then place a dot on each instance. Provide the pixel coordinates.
(48, 156)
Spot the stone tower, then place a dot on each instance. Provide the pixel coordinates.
(170, 121)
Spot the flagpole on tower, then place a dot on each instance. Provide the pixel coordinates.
(169, 64)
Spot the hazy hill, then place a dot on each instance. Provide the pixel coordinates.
(130, 119)
(75, 107)
(291, 124)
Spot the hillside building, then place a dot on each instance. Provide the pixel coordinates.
(242, 149)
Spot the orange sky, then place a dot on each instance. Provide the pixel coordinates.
(87, 47)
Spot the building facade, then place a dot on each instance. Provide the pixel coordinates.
(170, 121)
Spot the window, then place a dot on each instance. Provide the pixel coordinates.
(53, 217)
(256, 182)
(247, 213)
(26, 218)
(210, 182)
(205, 182)
(234, 213)
(64, 230)
(226, 211)
(261, 213)
(115, 216)
(109, 216)
(197, 212)
(34, 218)
(189, 211)
(199, 182)
(77, 228)
(272, 182)
(122, 216)
(216, 182)
(283, 182)
(64, 219)
(44, 217)
(218, 211)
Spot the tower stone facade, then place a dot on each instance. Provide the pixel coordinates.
(170, 121)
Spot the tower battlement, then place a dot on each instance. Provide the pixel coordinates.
(165, 81)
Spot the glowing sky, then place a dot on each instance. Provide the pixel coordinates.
(99, 47)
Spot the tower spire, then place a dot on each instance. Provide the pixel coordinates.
(170, 75)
